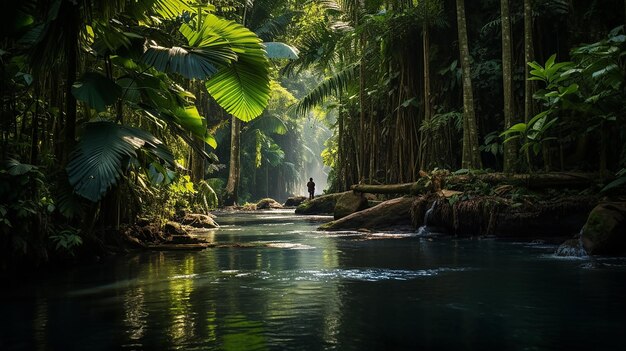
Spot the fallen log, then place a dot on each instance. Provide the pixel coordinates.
(390, 214)
(534, 181)
(406, 188)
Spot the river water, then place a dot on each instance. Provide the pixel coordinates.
(290, 287)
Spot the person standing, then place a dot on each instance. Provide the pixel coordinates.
(311, 187)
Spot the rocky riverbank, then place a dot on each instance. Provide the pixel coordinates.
(481, 206)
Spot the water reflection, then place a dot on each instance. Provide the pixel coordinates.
(302, 289)
(135, 315)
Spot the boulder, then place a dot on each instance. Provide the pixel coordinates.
(324, 204)
(174, 228)
(604, 233)
(197, 220)
(267, 203)
(348, 203)
(391, 214)
(571, 248)
(146, 233)
(294, 201)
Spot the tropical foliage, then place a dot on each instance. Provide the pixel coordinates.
(112, 111)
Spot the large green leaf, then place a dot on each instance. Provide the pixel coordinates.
(96, 90)
(189, 62)
(16, 168)
(171, 9)
(208, 50)
(243, 87)
(269, 124)
(230, 54)
(168, 9)
(165, 101)
(96, 164)
(190, 119)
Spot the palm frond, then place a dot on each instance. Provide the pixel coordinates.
(331, 86)
(318, 47)
(96, 164)
(170, 9)
(269, 124)
(96, 90)
(198, 63)
(167, 9)
(242, 88)
(273, 27)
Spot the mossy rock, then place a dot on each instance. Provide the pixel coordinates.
(324, 204)
(294, 201)
(174, 228)
(605, 230)
(198, 220)
(268, 203)
(349, 203)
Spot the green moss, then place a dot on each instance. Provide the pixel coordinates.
(324, 204)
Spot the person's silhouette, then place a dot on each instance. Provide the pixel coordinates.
(311, 187)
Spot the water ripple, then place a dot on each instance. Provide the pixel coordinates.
(366, 275)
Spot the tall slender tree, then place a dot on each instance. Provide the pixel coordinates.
(429, 12)
(471, 153)
(529, 56)
(232, 184)
(425, 138)
(510, 154)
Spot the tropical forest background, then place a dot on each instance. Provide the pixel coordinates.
(118, 110)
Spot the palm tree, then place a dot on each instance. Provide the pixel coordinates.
(260, 17)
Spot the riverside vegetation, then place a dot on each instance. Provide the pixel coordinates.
(119, 118)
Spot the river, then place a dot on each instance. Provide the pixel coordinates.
(290, 287)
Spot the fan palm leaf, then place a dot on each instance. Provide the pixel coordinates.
(96, 90)
(96, 164)
(269, 124)
(242, 88)
(230, 55)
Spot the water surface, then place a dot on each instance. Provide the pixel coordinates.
(293, 288)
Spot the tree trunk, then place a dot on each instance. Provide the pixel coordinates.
(529, 56)
(510, 148)
(535, 181)
(70, 101)
(426, 140)
(197, 162)
(404, 188)
(34, 141)
(361, 144)
(471, 153)
(233, 172)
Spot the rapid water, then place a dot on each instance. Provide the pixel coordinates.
(290, 287)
